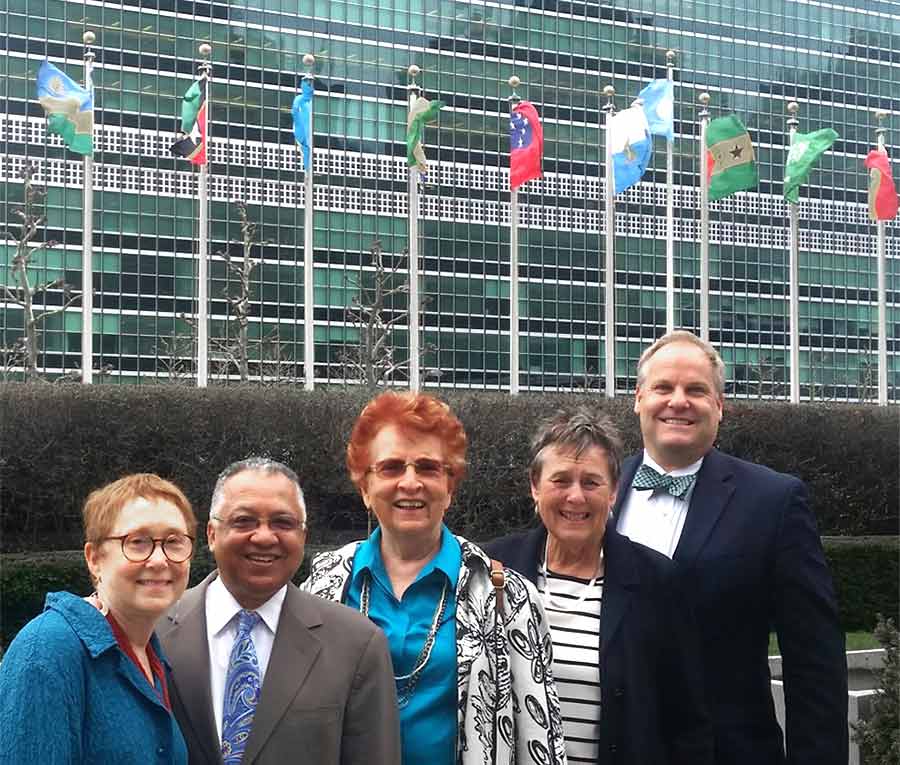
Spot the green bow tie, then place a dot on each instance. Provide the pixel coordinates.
(648, 478)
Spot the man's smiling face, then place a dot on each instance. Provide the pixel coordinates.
(678, 405)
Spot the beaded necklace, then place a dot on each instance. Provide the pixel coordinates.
(405, 692)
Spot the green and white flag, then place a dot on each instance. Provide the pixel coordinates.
(422, 112)
(806, 149)
(730, 164)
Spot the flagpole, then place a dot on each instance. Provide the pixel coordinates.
(205, 71)
(704, 220)
(514, 99)
(794, 269)
(670, 210)
(309, 335)
(87, 236)
(610, 277)
(881, 227)
(413, 89)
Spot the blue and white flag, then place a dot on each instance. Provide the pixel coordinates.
(301, 111)
(658, 103)
(630, 145)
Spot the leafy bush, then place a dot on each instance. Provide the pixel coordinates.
(879, 736)
(57, 443)
(866, 572)
(25, 581)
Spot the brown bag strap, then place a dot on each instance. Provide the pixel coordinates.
(498, 579)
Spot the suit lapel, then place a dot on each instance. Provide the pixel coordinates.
(188, 653)
(293, 654)
(619, 580)
(711, 494)
(629, 468)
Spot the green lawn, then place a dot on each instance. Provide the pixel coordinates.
(856, 641)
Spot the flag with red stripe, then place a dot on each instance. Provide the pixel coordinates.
(193, 124)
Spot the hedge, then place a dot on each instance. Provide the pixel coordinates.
(866, 575)
(57, 443)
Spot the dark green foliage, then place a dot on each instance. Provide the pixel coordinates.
(57, 443)
(866, 572)
(879, 735)
(26, 579)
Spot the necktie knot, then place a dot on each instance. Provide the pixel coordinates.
(677, 486)
(247, 620)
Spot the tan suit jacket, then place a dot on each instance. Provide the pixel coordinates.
(327, 698)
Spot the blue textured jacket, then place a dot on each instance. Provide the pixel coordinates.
(68, 695)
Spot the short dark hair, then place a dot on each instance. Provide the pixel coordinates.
(263, 464)
(577, 429)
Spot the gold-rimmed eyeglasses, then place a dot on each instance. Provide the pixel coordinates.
(424, 467)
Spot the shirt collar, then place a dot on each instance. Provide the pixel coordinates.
(678, 472)
(448, 559)
(225, 607)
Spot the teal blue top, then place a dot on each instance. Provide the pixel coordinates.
(70, 696)
(428, 720)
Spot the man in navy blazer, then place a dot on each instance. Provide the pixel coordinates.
(747, 544)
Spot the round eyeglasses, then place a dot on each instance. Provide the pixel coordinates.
(139, 547)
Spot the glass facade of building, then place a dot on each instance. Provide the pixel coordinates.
(839, 60)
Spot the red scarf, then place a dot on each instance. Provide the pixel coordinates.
(156, 666)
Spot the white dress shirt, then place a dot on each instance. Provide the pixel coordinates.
(656, 518)
(221, 630)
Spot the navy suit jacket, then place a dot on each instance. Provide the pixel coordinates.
(753, 561)
(652, 708)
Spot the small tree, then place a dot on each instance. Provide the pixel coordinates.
(24, 292)
(879, 736)
(237, 350)
(176, 356)
(374, 362)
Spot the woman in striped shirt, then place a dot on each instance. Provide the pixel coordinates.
(625, 656)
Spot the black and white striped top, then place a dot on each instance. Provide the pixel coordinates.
(575, 630)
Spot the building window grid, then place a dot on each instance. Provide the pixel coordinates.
(758, 199)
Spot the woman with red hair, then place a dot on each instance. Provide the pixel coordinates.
(471, 654)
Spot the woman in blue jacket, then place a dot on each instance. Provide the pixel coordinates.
(85, 681)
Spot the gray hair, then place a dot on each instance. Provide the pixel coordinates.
(683, 336)
(576, 430)
(263, 464)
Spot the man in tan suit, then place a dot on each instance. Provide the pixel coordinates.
(263, 674)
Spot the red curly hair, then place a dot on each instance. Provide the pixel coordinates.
(408, 411)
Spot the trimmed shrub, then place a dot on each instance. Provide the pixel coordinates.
(26, 579)
(57, 443)
(866, 572)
